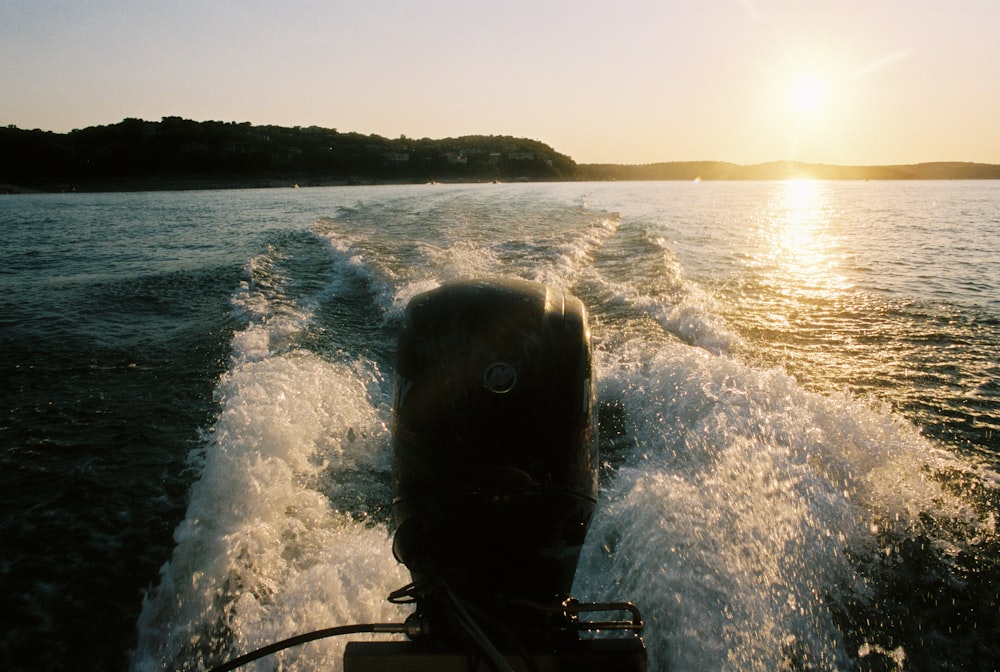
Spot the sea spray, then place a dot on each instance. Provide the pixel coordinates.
(264, 552)
(743, 504)
(274, 543)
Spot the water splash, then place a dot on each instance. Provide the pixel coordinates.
(744, 504)
(758, 524)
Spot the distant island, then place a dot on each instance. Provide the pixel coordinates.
(176, 153)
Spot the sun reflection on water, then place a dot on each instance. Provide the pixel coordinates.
(799, 304)
(796, 244)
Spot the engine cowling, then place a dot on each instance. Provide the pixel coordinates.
(494, 440)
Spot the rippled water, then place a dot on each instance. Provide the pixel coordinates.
(798, 383)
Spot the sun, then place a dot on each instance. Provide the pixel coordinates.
(809, 93)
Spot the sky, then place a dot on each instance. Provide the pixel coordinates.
(847, 82)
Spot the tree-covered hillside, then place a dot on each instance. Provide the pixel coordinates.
(787, 170)
(175, 148)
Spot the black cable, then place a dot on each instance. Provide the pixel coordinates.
(498, 662)
(503, 630)
(309, 637)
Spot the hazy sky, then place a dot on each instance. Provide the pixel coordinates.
(623, 81)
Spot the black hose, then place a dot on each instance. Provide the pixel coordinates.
(468, 623)
(309, 637)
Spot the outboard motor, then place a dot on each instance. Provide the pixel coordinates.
(495, 458)
(494, 440)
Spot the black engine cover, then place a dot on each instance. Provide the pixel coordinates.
(494, 439)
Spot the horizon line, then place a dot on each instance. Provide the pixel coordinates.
(769, 162)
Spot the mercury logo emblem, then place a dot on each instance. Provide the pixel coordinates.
(500, 377)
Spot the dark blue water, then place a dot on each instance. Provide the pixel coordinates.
(113, 328)
(800, 386)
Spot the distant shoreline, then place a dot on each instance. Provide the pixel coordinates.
(789, 170)
(618, 174)
(176, 154)
(124, 185)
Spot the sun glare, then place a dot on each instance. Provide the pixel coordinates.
(809, 93)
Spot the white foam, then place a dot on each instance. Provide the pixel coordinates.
(273, 321)
(574, 258)
(263, 553)
(730, 523)
(397, 276)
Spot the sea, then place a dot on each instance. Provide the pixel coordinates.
(798, 391)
